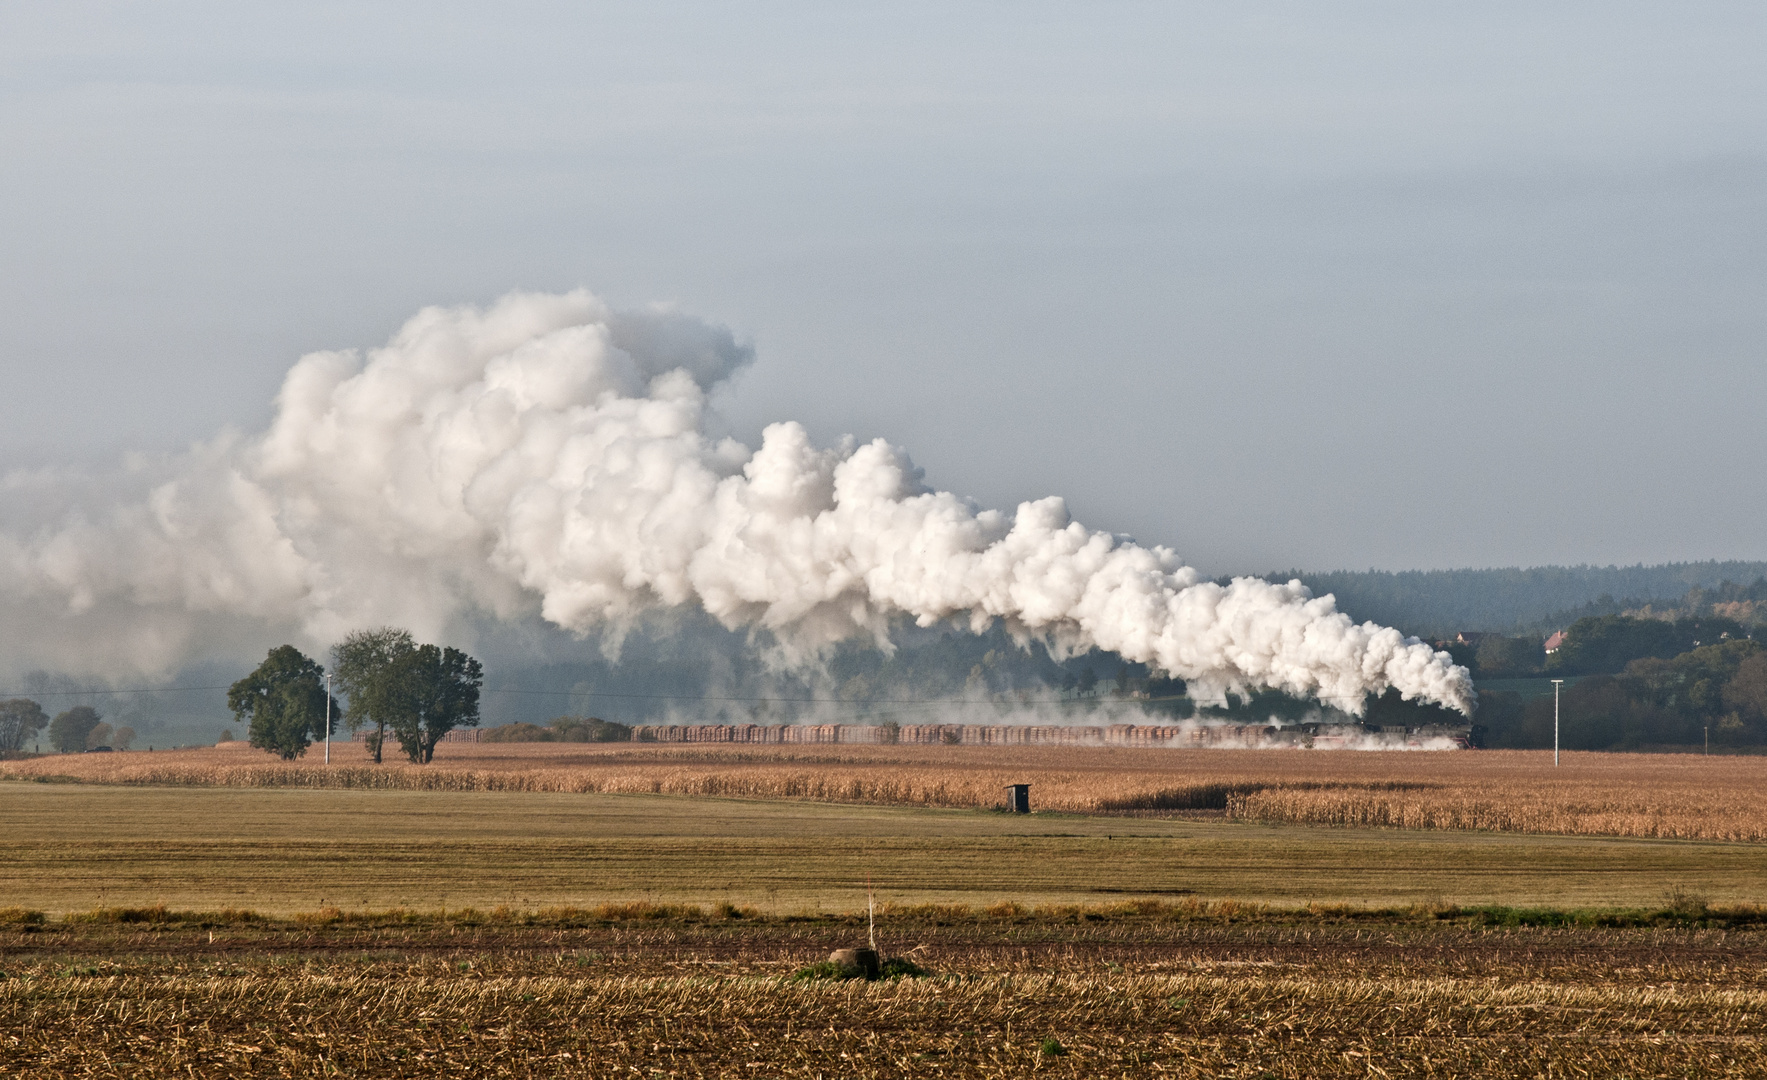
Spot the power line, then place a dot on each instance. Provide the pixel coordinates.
(775, 699)
(728, 698)
(94, 693)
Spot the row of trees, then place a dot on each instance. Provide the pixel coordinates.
(1718, 690)
(1439, 602)
(414, 693)
(1607, 644)
(79, 728)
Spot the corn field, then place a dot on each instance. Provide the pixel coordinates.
(1634, 795)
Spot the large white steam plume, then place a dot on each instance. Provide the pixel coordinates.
(548, 451)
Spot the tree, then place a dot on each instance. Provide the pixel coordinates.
(1508, 657)
(68, 731)
(122, 737)
(437, 690)
(363, 664)
(588, 729)
(1605, 645)
(1694, 688)
(98, 736)
(283, 702)
(20, 719)
(565, 729)
(1747, 690)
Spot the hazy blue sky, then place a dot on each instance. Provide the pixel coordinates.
(1329, 285)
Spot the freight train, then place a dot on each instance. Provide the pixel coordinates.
(1315, 736)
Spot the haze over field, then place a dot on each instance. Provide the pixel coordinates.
(549, 455)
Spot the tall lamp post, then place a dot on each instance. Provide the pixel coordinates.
(1556, 683)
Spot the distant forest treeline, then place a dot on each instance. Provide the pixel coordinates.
(686, 669)
(1440, 603)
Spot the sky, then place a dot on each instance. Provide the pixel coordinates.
(1279, 285)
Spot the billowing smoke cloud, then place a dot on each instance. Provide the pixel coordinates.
(549, 453)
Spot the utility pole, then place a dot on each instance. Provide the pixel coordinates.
(1556, 683)
(328, 718)
(1708, 731)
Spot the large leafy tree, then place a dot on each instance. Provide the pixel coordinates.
(438, 691)
(283, 703)
(364, 666)
(20, 718)
(68, 731)
(1746, 692)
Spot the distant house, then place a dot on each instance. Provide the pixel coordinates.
(1553, 642)
(1470, 637)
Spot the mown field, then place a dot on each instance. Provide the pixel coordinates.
(1131, 990)
(70, 847)
(1687, 797)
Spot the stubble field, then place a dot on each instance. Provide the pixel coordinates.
(1133, 990)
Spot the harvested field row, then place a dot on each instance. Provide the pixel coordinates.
(1692, 944)
(1060, 1025)
(1187, 989)
(1633, 795)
